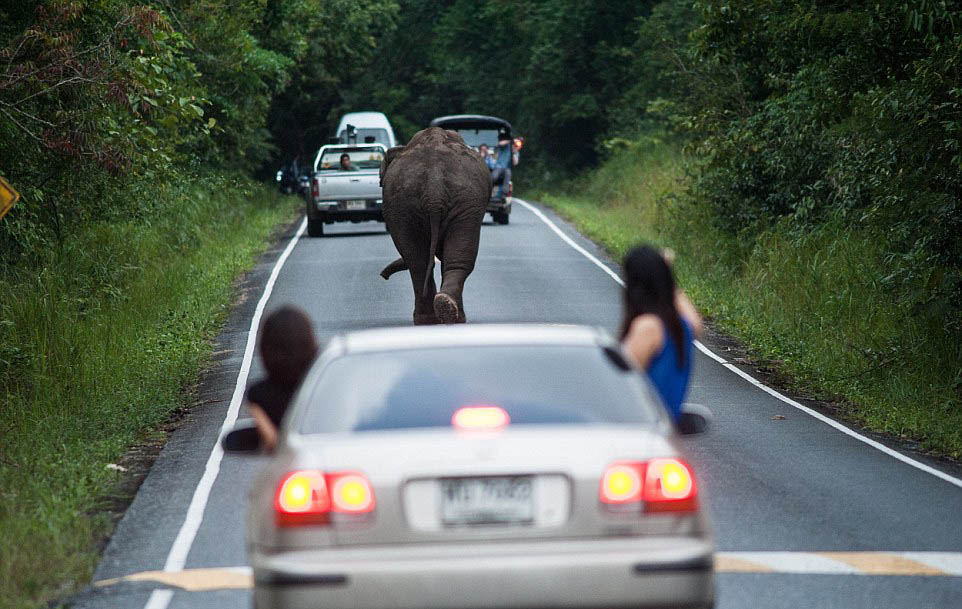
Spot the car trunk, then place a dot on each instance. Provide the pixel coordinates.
(441, 485)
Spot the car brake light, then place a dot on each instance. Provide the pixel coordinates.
(661, 485)
(351, 493)
(315, 190)
(480, 418)
(669, 486)
(308, 497)
(621, 483)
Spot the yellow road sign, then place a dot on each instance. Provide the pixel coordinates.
(8, 196)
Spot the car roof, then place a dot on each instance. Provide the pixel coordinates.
(369, 120)
(329, 147)
(467, 119)
(474, 335)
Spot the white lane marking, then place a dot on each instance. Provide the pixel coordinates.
(827, 420)
(159, 599)
(177, 557)
(601, 265)
(947, 562)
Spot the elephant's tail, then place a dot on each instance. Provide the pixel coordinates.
(394, 267)
(432, 252)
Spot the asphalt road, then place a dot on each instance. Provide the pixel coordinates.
(804, 514)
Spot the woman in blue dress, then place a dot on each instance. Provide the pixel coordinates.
(660, 325)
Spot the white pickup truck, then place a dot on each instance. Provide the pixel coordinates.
(345, 186)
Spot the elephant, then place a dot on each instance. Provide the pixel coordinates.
(435, 190)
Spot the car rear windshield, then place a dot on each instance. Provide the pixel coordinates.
(476, 137)
(365, 135)
(424, 387)
(364, 158)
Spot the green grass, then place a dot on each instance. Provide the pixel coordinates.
(814, 306)
(97, 347)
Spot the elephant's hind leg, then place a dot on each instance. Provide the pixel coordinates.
(446, 309)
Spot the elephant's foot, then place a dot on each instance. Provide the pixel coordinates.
(446, 308)
(425, 319)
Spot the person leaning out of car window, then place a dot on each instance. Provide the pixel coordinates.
(660, 324)
(287, 349)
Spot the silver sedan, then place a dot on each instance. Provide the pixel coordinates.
(477, 466)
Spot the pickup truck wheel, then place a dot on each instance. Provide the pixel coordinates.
(501, 217)
(315, 228)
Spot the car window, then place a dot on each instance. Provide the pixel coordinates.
(365, 136)
(476, 137)
(360, 159)
(424, 387)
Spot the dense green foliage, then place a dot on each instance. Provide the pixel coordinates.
(823, 175)
(554, 68)
(96, 350)
(808, 304)
(842, 112)
(103, 101)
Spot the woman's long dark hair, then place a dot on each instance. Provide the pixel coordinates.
(287, 346)
(650, 288)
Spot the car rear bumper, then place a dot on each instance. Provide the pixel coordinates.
(634, 572)
(329, 217)
(499, 205)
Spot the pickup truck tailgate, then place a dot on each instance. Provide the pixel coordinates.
(348, 185)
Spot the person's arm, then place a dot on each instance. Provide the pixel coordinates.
(688, 312)
(645, 339)
(265, 427)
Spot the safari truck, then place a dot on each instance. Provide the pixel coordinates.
(476, 130)
(345, 186)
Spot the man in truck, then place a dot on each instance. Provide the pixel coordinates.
(346, 163)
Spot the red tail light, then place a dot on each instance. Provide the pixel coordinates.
(669, 486)
(309, 497)
(315, 190)
(660, 485)
(351, 493)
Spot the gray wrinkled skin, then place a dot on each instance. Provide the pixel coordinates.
(435, 191)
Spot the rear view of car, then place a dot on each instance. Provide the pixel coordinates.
(345, 186)
(478, 130)
(478, 467)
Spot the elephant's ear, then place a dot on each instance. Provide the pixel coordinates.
(391, 154)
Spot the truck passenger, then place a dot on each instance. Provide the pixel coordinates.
(506, 157)
(346, 163)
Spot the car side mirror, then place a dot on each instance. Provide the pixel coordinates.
(242, 439)
(695, 418)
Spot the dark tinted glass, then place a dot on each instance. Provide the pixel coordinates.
(424, 387)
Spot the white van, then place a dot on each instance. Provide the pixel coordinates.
(365, 128)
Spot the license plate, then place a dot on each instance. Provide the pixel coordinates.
(490, 500)
(354, 205)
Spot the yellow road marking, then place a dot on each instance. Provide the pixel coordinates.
(192, 580)
(882, 563)
(946, 564)
(734, 564)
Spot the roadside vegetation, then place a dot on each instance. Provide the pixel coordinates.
(132, 130)
(811, 307)
(804, 161)
(100, 347)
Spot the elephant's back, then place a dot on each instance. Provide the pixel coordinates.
(453, 167)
